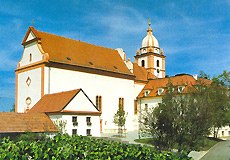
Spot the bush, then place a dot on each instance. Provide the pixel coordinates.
(78, 147)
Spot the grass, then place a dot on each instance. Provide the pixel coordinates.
(208, 142)
(144, 141)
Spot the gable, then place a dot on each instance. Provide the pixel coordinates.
(31, 55)
(68, 101)
(80, 103)
(30, 36)
(55, 102)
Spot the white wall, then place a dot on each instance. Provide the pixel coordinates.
(152, 103)
(159, 75)
(109, 88)
(33, 90)
(82, 125)
(143, 58)
(80, 103)
(34, 51)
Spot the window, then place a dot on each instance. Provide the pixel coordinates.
(158, 70)
(74, 120)
(160, 91)
(180, 89)
(88, 132)
(74, 131)
(88, 121)
(135, 107)
(222, 133)
(28, 81)
(28, 101)
(98, 103)
(146, 107)
(143, 63)
(121, 104)
(229, 133)
(158, 63)
(146, 93)
(30, 57)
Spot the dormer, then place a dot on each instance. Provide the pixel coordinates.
(160, 91)
(180, 89)
(146, 92)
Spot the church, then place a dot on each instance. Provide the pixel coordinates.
(83, 85)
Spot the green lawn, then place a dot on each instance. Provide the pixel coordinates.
(209, 142)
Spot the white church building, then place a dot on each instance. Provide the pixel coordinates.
(84, 84)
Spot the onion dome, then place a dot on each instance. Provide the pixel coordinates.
(150, 43)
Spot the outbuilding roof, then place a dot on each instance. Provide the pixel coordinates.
(55, 102)
(12, 122)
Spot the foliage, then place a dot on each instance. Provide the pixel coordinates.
(120, 119)
(13, 108)
(220, 101)
(60, 124)
(183, 120)
(78, 147)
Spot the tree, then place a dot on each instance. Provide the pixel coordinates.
(13, 108)
(220, 101)
(61, 125)
(120, 119)
(180, 121)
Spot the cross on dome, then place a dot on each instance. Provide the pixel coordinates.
(149, 22)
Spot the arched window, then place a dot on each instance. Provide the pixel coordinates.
(158, 63)
(143, 63)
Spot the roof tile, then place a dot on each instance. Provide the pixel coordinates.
(25, 122)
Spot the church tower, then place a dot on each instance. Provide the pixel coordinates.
(150, 55)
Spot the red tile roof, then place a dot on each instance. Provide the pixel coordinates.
(73, 52)
(11, 122)
(181, 80)
(141, 73)
(54, 102)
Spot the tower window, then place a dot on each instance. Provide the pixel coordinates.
(158, 63)
(143, 63)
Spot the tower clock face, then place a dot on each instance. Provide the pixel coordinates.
(28, 100)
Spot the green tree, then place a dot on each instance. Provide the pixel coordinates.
(220, 101)
(13, 108)
(180, 121)
(119, 119)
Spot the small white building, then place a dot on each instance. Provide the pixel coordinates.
(72, 111)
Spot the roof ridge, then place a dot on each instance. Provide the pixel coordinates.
(74, 40)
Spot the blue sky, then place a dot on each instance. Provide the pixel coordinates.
(195, 35)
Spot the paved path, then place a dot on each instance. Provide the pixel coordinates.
(220, 151)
